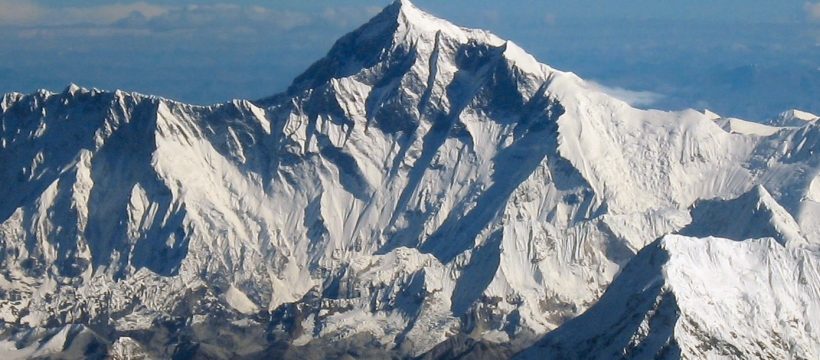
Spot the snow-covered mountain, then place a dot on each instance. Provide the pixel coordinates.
(752, 215)
(702, 299)
(793, 117)
(422, 182)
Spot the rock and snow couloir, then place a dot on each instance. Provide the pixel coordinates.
(421, 181)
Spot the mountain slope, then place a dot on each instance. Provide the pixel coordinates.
(754, 214)
(421, 181)
(667, 302)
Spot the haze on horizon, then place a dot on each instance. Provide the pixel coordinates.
(745, 58)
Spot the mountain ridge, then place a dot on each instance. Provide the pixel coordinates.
(444, 185)
(670, 292)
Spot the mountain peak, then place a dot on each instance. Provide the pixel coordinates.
(413, 24)
(399, 32)
(754, 214)
(74, 89)
(411, 16)
(711, 115)
(798, 114)
(793, 117)
(665, 303)
(404, 5)
(421, 180)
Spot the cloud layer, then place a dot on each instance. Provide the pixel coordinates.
(751, 63)
(143, 17)
(813, 11)
(19, 12)
(30, 14)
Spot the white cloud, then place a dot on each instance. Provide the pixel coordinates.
(550, 19)
(346, 16)
(224, 17)
(30, 14)
(16, 12)
(143, 17)
(631, 97)
(813, 11)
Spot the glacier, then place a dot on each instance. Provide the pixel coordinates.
(421, 183)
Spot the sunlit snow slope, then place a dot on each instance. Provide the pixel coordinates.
(701, 299)
(421, 181)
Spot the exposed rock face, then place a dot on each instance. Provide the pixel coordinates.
(421, 181)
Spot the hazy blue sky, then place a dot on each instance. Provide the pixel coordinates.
(749, 58)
